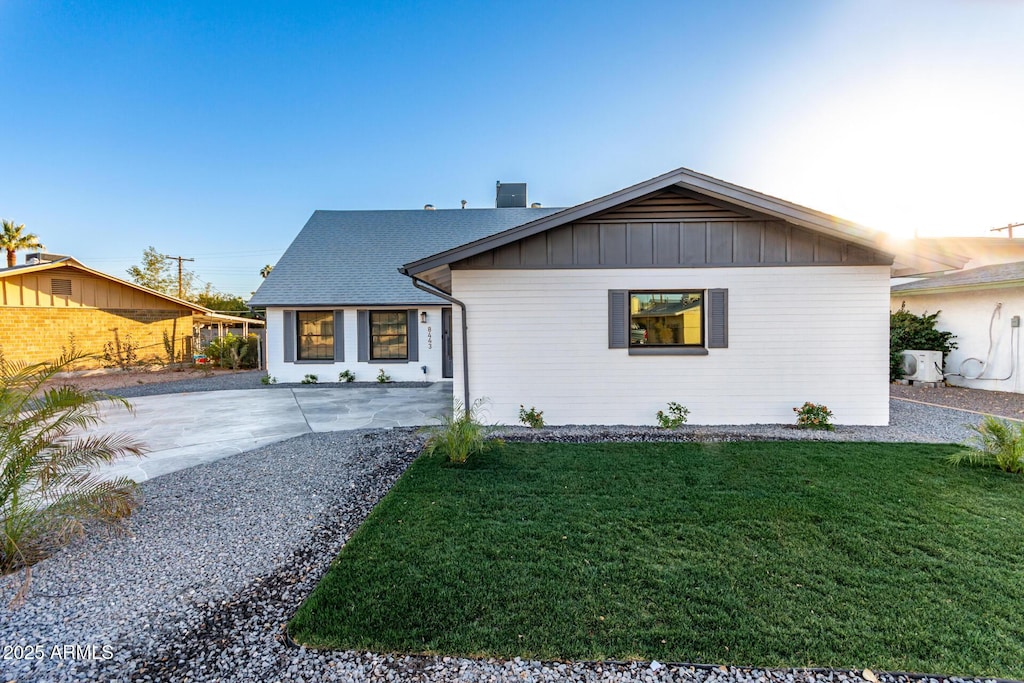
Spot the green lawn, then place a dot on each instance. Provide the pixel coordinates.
(769, 554)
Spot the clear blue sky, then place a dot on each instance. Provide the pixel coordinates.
(214, 129)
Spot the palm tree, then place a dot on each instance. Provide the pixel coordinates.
(48, 479)
(13, 240)
(265, 271)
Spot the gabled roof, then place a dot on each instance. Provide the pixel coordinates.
(997, 276)
(751, 202)
(69, 262)
(979, 251)
(351, 257)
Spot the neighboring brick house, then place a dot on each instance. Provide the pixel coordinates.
(54, 301)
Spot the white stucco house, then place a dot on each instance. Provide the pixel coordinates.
(685, 288)
(982, 306)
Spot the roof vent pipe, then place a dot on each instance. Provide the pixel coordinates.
(428, 207)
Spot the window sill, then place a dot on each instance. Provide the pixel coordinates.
(314, 362)
(385, 361)
(667, 351)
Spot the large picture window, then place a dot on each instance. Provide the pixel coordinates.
(315, 335)
(666, 319)
(389, 335)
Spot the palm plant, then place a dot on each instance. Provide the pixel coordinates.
(13, 240)
(995, 443)
(49, 484)
(460, 434)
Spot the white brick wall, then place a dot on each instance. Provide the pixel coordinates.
(540, 338)
(429, 352)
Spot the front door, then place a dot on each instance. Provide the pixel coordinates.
(446, 342)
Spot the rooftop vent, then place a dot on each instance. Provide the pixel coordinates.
(428, 207)
(37, 257)
(535, 205)
(510, 196)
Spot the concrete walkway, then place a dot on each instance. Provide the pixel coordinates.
(182, 430)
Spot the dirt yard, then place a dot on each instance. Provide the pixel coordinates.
(104, 380)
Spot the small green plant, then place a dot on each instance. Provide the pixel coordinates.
(310, 379)
(675, 418)
(813, 416)
(383, 377)
(532, 418)
(120, 353)
(233, 352)
(268, 379)
(461, 434)
(909, 331)
(995, 443)
(346, 376)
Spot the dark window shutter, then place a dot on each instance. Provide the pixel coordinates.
(618, 319)
(363, 335)
(339, 336)
(413, 337)
(718, 318)
(289, 336)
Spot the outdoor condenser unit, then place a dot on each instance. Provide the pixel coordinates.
(922, 366)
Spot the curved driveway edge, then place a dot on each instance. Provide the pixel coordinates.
(182, 430)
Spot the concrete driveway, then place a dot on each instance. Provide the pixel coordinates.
(182, 430)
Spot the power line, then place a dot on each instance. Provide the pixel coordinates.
(1009, 229)
(179, 259)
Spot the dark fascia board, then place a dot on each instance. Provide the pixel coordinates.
(689, 180)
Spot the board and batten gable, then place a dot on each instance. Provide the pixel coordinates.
(668, 230)
(539, 337)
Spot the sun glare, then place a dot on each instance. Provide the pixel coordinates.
(926, 157)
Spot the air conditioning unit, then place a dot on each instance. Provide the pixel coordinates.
(922, 366)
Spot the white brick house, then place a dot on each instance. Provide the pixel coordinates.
(683, 288)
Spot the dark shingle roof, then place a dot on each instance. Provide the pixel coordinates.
(352, 257)
(999, 275)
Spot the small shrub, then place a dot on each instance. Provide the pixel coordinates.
(675, 418)
(909, 331)
(995, 443)
(383, 377)
(532, 418)
(346, 376)
(460, 435)
(120, 353)
(813, 416)
(233, 352)
(267, 379)
(310, 379)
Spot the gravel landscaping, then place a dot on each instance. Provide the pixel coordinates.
(220, 555)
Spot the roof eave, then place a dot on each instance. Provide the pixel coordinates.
(951, 289)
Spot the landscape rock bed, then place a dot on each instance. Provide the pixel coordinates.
(221, 555)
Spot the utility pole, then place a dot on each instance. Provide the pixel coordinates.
(1009, 229)
(179, 259)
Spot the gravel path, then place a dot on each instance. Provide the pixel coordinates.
(220, 555)
(1002, 403)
